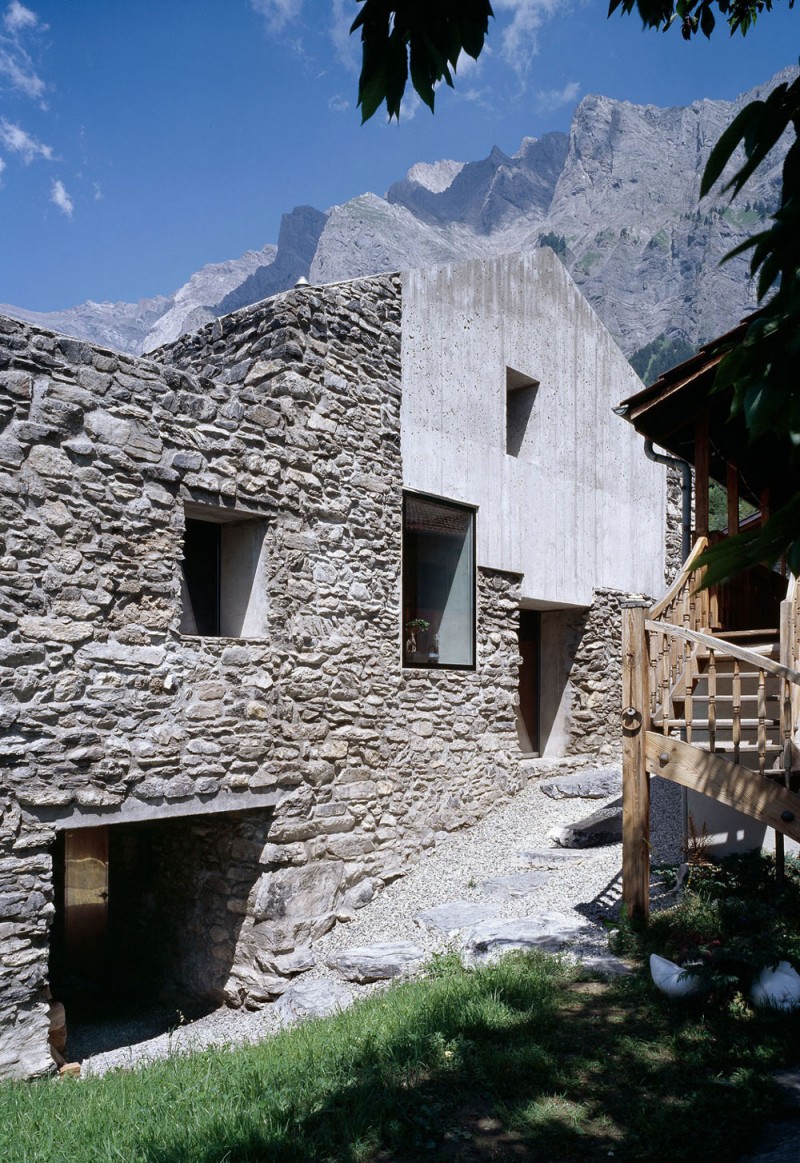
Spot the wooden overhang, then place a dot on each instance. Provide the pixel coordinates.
(672, 410)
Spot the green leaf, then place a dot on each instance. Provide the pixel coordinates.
(724, 149)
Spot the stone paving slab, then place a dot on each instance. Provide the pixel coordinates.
(380, 962)
(454, 916)
(312, 999)
(516, 884)
(596, 784)
(552, 932)
(549, 857)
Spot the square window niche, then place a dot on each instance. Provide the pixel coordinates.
(223, 583)
(438, 584)
(520, 397)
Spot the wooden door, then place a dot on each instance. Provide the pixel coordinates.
(86, 903)
(529, 638)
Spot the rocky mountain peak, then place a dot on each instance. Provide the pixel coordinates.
(616, 198)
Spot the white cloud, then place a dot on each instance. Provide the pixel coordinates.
(548, 100)
(17, 69)
(277, 13)
(338, 104)
(59, 197)
(17, 16)
(15, 138)
(2, 165)
(347, 47)
(520, 39)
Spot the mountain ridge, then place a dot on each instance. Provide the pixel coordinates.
(617, 198)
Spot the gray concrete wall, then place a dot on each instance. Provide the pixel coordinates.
(580, 507)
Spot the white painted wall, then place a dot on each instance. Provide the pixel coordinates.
(581, 506)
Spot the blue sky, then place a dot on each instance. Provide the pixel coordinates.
(140, 141)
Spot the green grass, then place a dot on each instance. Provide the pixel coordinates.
(514, 1060)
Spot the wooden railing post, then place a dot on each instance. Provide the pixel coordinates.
(635, 777)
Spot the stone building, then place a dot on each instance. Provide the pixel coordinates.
(264, 596)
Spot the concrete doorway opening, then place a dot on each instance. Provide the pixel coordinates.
(147, 922)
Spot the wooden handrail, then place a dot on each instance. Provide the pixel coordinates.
(721, 646)
(687, 571)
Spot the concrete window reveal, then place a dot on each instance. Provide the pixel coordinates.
(223, 591)
(520, 397)
(438, 583)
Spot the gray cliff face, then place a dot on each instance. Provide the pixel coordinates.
(121, 326)
(618, 198)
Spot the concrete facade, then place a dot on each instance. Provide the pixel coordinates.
(259, 784)
(578, 508)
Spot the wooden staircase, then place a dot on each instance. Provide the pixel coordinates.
(715, 711)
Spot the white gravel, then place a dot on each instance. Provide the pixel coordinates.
(590, 889)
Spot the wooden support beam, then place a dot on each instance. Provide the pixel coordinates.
(732, 483)
(635, 778)
(731, 784)
(702, 455)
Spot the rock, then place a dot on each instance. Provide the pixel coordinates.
(548, 857)
(312, 999)
(604, 964)
(594, 784)
(516, 884)
(456, 915)
(380, 962)
(551, 932)
(601, 827)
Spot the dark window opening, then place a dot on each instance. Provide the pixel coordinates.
(520, 397)
(201, 562)
(438, 583)
(223, 587)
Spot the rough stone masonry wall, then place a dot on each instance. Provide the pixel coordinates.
(290, 412)
(595, 677)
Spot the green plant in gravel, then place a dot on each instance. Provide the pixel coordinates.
(730, 924)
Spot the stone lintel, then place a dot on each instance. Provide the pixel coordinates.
(134, 811)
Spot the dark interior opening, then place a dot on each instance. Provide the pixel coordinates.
(201, 565)
(147, 922)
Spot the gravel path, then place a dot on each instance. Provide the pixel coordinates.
(589, 888)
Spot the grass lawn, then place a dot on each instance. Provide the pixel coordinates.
(516, 1061)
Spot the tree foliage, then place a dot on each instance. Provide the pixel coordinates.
(422, 39)
(761, 371)
(694, 16)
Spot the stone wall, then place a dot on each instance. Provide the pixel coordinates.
(319, 764)
(595, 677)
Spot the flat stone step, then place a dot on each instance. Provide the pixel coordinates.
(604, 964)
(595, 784)
(455, 915)
(380, 962)
(549, 931)
(549, 857)
(515, 884)
(312, 999)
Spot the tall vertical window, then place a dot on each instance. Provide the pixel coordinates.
(520, 397)
(438, 583)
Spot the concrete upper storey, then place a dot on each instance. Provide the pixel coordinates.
(575, 505)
